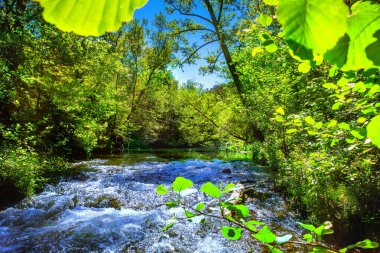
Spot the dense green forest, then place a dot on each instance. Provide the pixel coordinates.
(64, 96)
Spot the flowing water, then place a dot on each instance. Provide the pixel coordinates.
(114, 208)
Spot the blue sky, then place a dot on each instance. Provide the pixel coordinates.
(190, 72)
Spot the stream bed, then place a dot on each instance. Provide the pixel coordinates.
(114, 208)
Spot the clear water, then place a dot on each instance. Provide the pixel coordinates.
(114, 208)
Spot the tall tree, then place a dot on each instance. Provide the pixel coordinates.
(216, 21)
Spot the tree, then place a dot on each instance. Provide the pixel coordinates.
(219, 22)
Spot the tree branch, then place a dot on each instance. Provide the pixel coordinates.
(212, 64)
(189, 14)
(195, 51)
(216, 125)
(220, 11)
(194, 29)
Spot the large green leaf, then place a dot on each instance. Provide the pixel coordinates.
(161, 190)
(271, 2)
(231, 233)
(211, 190)
(338, 55)
(362, 26)
(181, 183)
(241, 210)
(309, 227)
(265, 20)
(373, 131)
(366, 244)
(373, 50)
(265, 235)
(89, 17)
(315, 25)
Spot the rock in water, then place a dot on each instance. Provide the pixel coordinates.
(227, 171)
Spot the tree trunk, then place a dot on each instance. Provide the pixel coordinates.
(256, 132)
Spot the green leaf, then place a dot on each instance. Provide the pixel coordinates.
(181, 183)
(361, 120)
(279, 119)
(373, 131)
(309, 227)
(265, 235)
(330, 86)
(319, 125)
(290, 131)
(336, 106)
(256, 223)
(280, 110)
(344, 126)
(299, 52)
(283, 239)
(334, 142)
(229, 188)
(161, 190)
(333, 71)
(308, 237)
(256, 51)
(271, 2)
(211, 190)
(309, 120)
(265, 20)
(88, 17)
(305, 21)
(366, 244)
(375, 89)
(322, 231)
(169, 225)
(231, 233)
(338, 54)
(171, 204)
(363, 23)
(332, 123)
(242, 210)
(373, 50)
(251, 225)
(359, 87)
(189, 214)
(359, 133)
(270, 46)
(304, 67)
(200, 206)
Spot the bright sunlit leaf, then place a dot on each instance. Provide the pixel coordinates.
(314, 25)
(373, 131)
(89, 17)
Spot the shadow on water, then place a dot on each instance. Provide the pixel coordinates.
(167, 155)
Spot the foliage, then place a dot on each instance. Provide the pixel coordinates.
(237, 215)
(315, 123)
(85, 18)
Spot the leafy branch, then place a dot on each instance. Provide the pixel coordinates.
(232, 211)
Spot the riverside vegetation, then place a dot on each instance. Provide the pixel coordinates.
(301, 93)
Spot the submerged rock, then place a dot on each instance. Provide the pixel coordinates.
(227, 171)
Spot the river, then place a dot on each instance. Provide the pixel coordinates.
(113, 207)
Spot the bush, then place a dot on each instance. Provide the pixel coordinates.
(23, 171)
